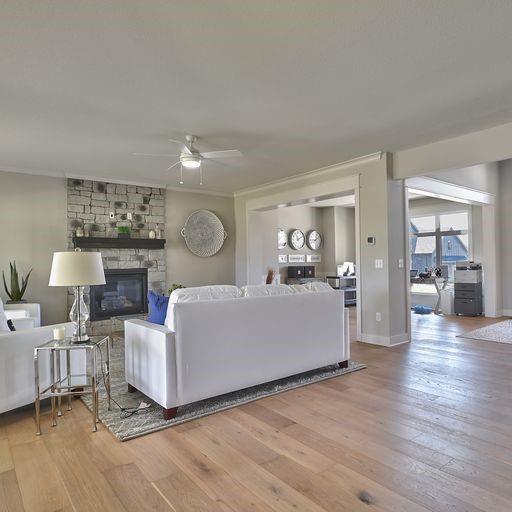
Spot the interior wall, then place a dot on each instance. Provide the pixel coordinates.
(345, 235)
(32, 227)
(305, 218)
(483, 177)
(184, 267)
(505, 230)
(370, 176)
(340, 238)
(490, 145)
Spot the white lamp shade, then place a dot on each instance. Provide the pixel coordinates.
(76, 269)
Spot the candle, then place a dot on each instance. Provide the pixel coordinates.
(59, 333)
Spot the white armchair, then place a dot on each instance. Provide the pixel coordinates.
(17, 364)
(24, 316)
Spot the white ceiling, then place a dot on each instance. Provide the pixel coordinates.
(294, 84)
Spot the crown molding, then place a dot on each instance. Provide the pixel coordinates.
(120, 181)
(322, 171)
(34, 172)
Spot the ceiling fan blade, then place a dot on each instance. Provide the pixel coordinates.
(154, 154)
(173, 165)
(227, 153)
(175, 141)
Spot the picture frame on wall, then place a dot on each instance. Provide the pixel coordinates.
(296, 258)
(313, 258)
(282, 258)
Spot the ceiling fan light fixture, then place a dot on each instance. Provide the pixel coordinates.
(190, 161)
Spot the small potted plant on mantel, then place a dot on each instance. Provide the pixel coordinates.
(123, 232)
(16, 292)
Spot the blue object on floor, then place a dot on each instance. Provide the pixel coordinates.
(422, 310)
(157, 307)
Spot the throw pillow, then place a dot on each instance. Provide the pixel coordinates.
(157, 308)
(3, 318)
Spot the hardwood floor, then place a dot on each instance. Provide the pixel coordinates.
(427, 427)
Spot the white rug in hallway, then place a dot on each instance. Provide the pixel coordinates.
(499, 333)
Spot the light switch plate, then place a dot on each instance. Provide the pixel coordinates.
(129, 215)
(379, 263)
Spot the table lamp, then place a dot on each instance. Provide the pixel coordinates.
(77, 269)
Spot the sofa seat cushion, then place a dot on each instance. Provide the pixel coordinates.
(265, 290)
(199, 293)
(3, 319)
(157, 308)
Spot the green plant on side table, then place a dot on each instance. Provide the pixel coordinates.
(16, 293)
(123, 231)
(175, 286)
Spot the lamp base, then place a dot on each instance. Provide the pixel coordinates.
(80, 339)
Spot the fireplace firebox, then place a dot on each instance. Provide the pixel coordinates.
(125, 293)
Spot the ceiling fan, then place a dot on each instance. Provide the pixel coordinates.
(191, 158)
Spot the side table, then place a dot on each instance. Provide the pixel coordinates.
(71, 384)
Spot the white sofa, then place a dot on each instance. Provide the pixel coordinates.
(211, 345)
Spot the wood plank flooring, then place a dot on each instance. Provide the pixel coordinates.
(427, 427)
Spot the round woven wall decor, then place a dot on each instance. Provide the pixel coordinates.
(203, 233)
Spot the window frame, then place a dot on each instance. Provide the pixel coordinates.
(438, 234)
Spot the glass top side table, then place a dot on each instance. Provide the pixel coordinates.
(72, 383)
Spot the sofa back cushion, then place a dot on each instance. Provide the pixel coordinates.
(319, 286)
(199, 293)
(157, 308)
(3, 318)
(265, 290)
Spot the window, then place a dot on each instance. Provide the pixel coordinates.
(439, 240)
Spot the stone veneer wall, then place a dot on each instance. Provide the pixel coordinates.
(89, 207)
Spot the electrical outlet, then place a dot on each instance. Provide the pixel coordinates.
(378, 316)
(112, 215)
(379, 263)
(400, 263)
(129, 215)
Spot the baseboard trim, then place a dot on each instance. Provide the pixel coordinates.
(507, 312)
(385, 341)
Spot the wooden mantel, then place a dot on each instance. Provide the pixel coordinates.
(88, 242)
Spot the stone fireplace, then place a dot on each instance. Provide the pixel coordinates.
(98, 208)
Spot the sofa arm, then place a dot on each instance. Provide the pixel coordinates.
(21, 324)
(150, 361)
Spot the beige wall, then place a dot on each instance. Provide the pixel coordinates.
(33, 226)
(339, 237)
(378, 216)
(505, 231)
(490, 145)
(183, 266)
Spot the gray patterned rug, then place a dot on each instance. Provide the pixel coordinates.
(151, 420)
(499, 333)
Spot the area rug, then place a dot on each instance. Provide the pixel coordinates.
(151, 419)
(499, 333)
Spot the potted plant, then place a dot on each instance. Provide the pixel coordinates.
(16, 293)
(175, 286)
(123, 232)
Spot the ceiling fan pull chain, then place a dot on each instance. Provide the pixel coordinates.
(200, 175)
(181, 174)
